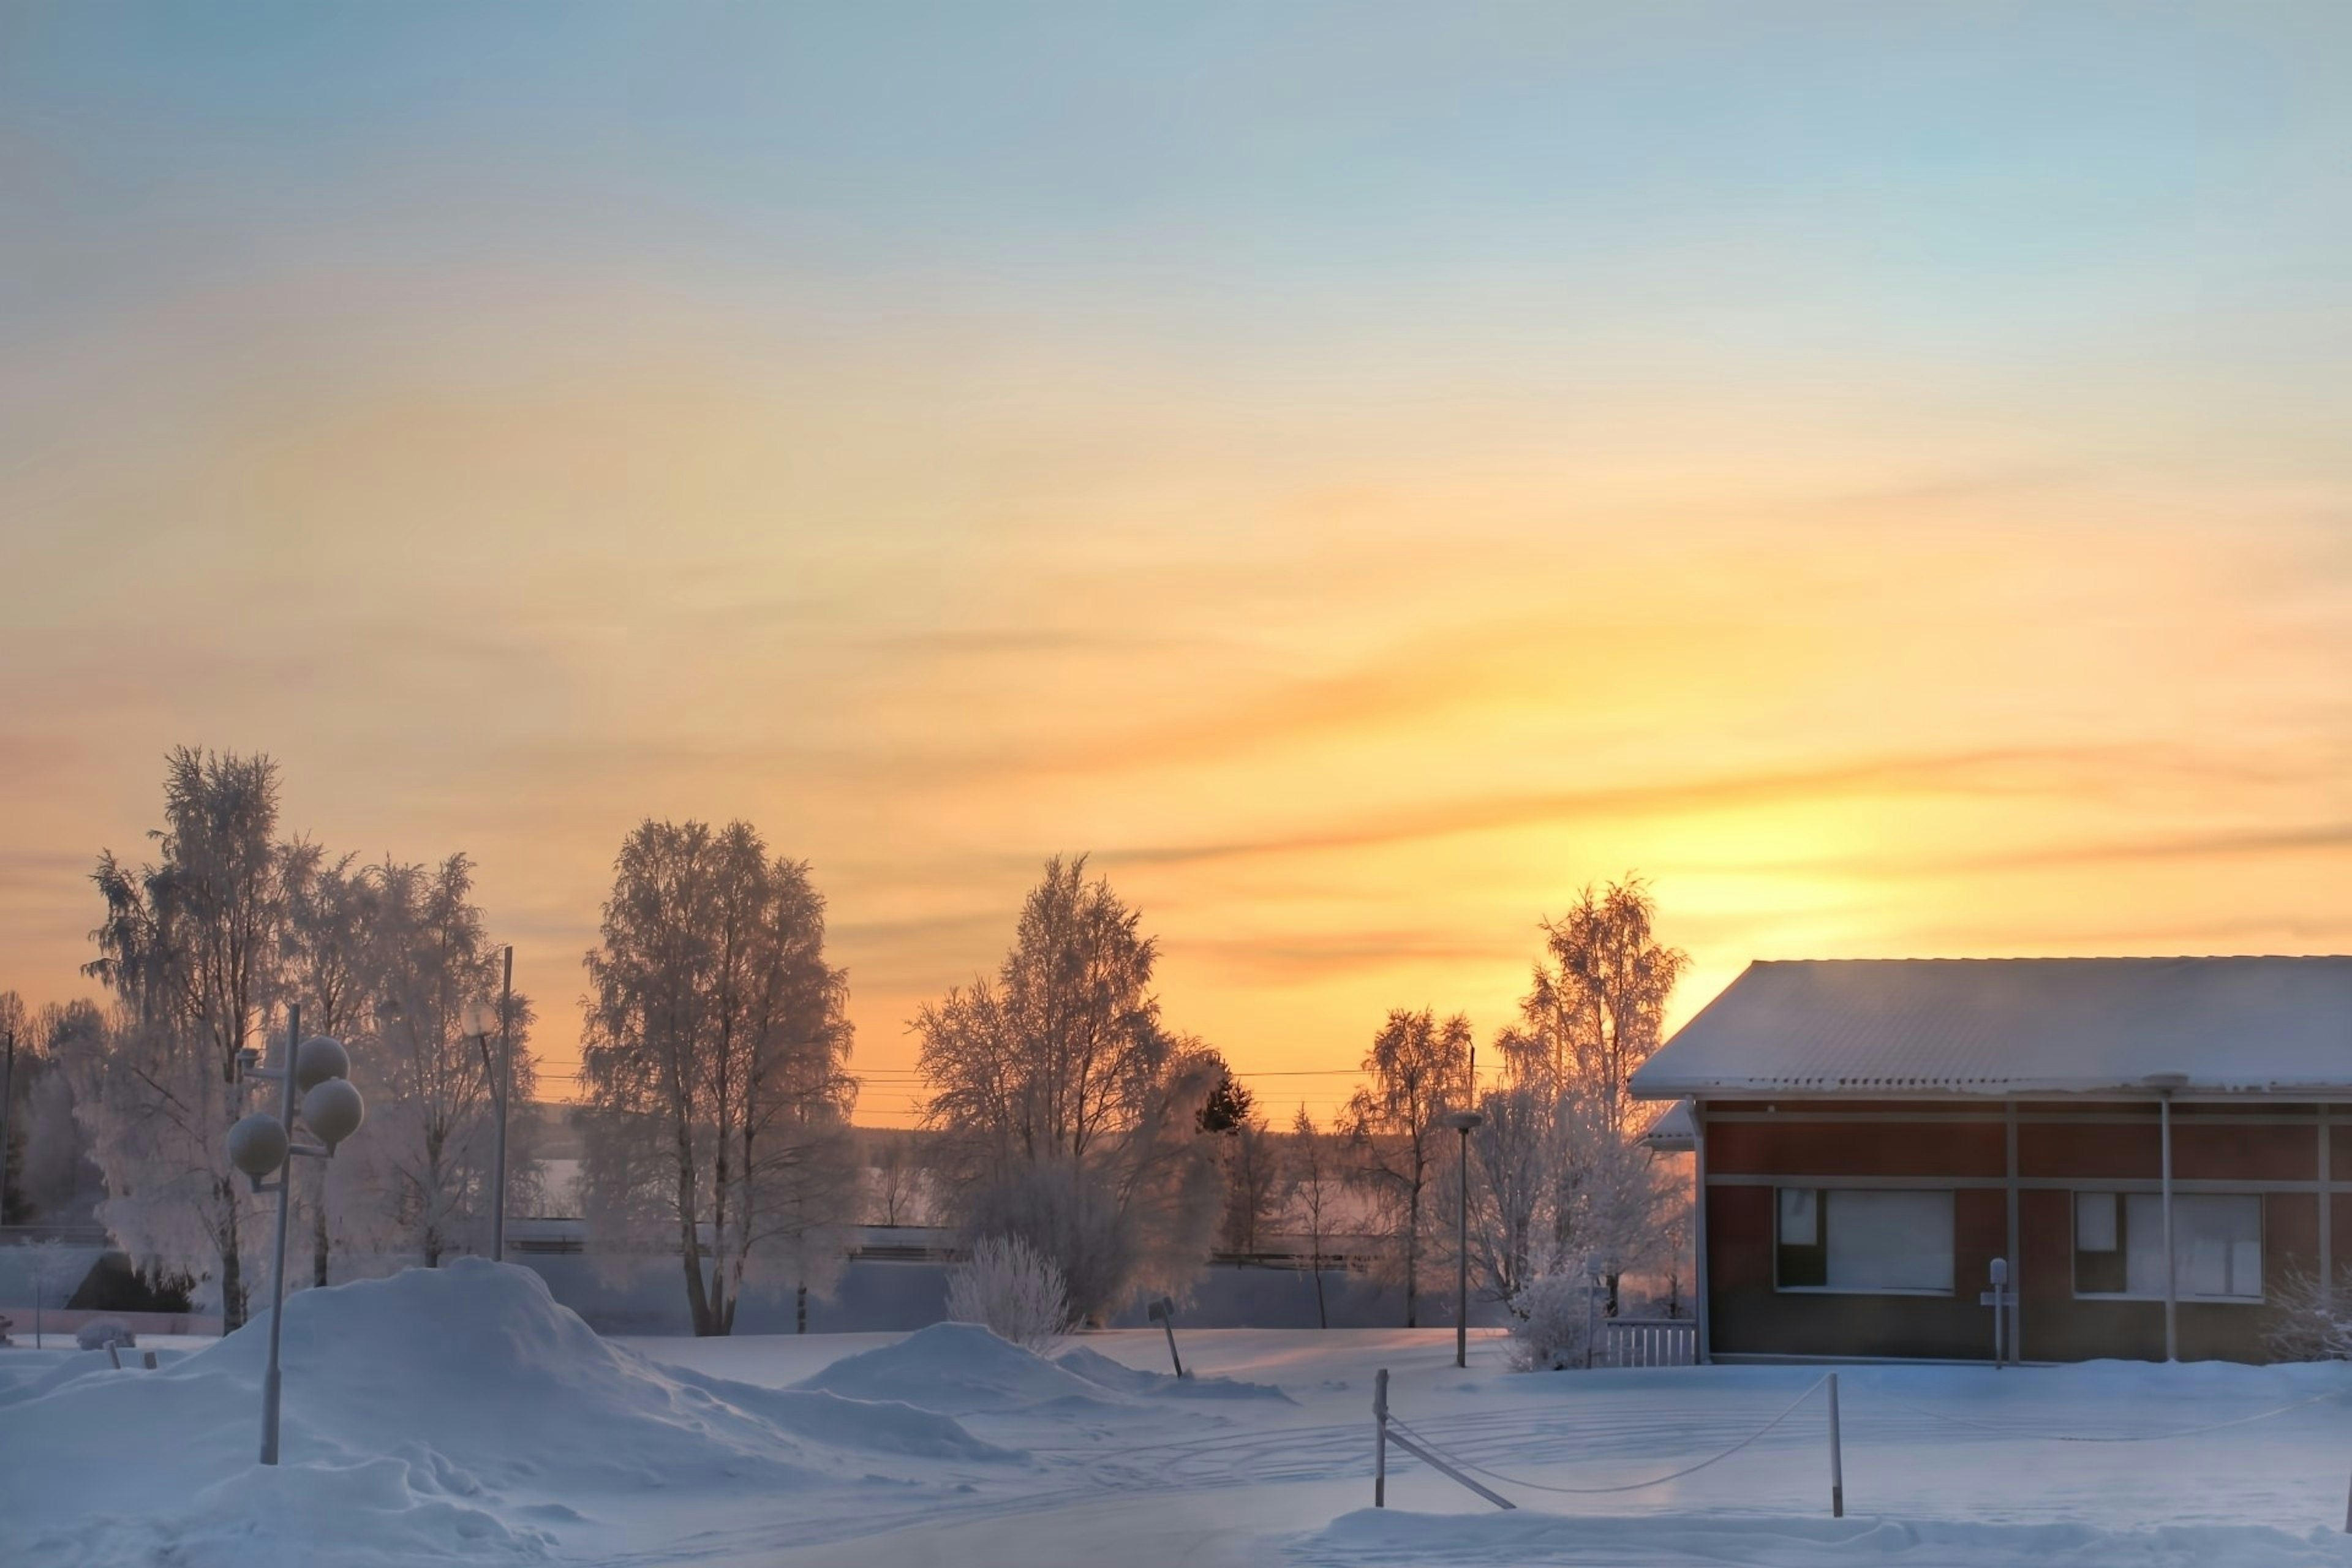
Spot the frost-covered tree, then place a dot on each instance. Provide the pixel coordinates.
(420, 955)
(55, 1178)
(1596, 1007)
(715, 1062)
(901, 1183)
(1419, 1067)
(1316, 1177)
(1565, 1181)
(1069, 1115)
(188, 948)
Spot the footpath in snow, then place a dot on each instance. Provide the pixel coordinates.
(460, 1414)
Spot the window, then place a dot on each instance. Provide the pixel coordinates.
(1864, 1240)
(2217, 1244)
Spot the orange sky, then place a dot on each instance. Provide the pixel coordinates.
(1358, 533)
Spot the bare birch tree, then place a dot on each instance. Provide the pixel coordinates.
(715, 1059)
(1069, 1114)
(189, 947)
(1420, 1067)
(1316, 1180)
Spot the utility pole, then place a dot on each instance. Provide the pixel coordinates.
(506, 1083)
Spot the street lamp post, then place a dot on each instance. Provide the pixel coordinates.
(262, 1144)
(479, 1024)
(1462, 1121)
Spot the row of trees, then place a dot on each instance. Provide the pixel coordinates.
(1073, 1119)
(1064, 1109)
(201, 949)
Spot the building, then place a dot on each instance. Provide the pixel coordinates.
(1871, 1136)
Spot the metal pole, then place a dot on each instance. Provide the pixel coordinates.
(506, 1082)
(1169, 1323)
(1381, 1440)
(1837, 1458)
(2171, 1285)
(7, 1102)
(271, 1380)
(1461, 1262)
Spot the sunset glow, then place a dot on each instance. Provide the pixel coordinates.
(1897, 502)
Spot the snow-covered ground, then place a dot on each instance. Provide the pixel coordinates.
(461, 1414)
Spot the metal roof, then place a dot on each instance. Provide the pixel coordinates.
(2016, 1025)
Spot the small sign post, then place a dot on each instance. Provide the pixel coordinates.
(1163, 1312)
(2000, 1298)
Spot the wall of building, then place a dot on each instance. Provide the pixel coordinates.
(1753, 1148)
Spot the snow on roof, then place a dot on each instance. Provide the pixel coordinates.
(2016, 1025)
(1676, 1131)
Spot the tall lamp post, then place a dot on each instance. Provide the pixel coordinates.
(480, 1020)
(261, 1145)
(1462, 1121)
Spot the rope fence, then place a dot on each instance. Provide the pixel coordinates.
(1389, 1427)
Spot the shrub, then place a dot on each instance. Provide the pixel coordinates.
(1014, 1288)
(100, 1332)
(2309, 1321)
(1550, 1321)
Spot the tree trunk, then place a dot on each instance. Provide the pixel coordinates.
(802, 1306)
(1413, 1259)
(318, 1233)
(1315, 1263)
(232, 1267)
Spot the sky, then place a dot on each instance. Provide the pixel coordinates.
(1361, 472)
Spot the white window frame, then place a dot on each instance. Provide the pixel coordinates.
(1822, 1193)
(2124, 1196)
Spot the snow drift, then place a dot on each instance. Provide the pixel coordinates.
(451, 1411)
(1099, 1369)
(1393, 1535)
(963, 1369)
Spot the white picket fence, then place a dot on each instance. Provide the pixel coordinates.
(1647, 1342)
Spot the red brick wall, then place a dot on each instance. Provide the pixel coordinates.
(2059, 1142)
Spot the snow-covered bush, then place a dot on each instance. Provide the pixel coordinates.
(1014, 1288)
(1550, 1320)
(2309, 1321)
(100, 1332)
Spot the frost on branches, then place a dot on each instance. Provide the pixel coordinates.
(1011, 1288)
(715, 1062)
(1071, 1115)
(2311, 1321)
(1550, 1321)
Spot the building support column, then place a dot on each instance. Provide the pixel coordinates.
(2326, 1211)
(2016, 1308)
(2171, 1267)
(1698, 1227)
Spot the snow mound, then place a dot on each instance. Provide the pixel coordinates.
(430, 1406)
(959, 1369)
(1393, 1535)
(1099, 1369)
(361, 1515)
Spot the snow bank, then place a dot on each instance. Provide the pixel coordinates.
(1393, 1535)
(956, 1368)
(1099, 1369)
(427, 1408)
(962, 1369)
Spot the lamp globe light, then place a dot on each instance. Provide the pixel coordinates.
(318, 1058)
(257, 1144)
(333, 1111)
